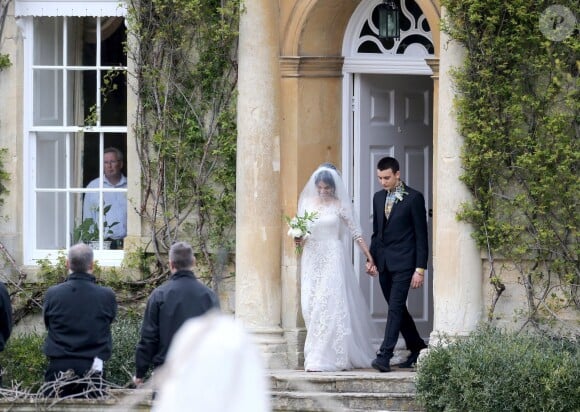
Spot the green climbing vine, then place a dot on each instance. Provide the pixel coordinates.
(518, 109)
(4, 58)
(184, 53)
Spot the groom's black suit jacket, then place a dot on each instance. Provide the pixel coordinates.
(400, 243)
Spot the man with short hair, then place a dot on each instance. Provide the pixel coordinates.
(116, 215)
(5, 319)
(78, 314)
(180, 298)
(399, 246)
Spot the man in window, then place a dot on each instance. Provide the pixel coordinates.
(115, 210)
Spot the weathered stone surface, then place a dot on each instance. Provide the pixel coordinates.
(120, 400)
(358, 390)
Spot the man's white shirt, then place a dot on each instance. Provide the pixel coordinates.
(118, 202)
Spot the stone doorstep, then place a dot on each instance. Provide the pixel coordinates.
(363, 380)
(365, 389)
(324, 401)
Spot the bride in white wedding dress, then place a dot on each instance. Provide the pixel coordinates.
(338, 323)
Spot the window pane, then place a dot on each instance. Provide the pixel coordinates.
(75, 115)
(87, 106)
(91, 161)
(74, 41)
(47, 98)
(48, 41)
(113, 35)
(50, 160)
(51, 228)
(113, 96)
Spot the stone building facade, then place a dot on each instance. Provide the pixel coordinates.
(304, 69)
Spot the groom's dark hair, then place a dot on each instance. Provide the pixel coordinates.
(388, 163)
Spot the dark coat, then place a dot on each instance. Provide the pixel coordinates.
(400, 243)
(5, 316)
(180, 298)
(78, 314)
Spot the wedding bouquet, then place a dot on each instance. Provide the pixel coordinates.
(299, 227)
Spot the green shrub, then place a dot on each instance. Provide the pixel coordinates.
(121, 367)
(493, 370)
(24, 362)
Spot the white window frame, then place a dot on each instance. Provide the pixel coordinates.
(26, 11)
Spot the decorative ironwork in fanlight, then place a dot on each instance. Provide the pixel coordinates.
(415, 34)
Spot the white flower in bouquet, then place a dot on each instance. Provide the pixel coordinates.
(295, 232)
(299, 227)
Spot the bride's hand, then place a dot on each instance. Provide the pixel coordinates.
(371, 268)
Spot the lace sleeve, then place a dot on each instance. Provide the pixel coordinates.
(353, 226)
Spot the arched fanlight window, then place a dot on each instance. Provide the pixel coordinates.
(395, 27)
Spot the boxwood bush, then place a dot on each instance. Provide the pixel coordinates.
(494, 370)
(24, 363)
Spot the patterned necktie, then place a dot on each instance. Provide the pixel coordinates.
(389, 202)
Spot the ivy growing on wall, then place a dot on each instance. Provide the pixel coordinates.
(4, 58)
(518, 109)
(184, 53)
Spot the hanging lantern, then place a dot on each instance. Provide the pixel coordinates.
(389, 20)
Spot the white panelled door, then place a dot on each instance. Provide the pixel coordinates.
(393, 116)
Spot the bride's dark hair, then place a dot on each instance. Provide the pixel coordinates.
(326, 177)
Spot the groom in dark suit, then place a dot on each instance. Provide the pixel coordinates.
(399, 247)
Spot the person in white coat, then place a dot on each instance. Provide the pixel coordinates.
(212, 366)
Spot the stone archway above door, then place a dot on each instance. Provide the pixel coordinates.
(317, 27)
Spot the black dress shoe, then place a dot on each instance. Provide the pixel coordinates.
(410, 362)
(381, 364)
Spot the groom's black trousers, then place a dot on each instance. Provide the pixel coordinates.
(395, 287)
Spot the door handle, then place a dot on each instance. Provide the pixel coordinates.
(430, 212)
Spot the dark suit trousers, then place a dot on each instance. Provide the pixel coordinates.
(395, 287)
(79, 386)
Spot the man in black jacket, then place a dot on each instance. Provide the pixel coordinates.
(5, 319)
(399, 246)
(180, 298)
(78, 314)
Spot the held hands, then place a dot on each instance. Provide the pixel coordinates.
(299, 242)
(371, 268)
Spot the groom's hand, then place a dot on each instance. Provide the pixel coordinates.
(372, 269)
(417, 280)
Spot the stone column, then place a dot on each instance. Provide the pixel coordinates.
(457, 285)
(258, 209)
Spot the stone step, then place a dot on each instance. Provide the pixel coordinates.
(361, 380)
(359, 390)
(347, 401)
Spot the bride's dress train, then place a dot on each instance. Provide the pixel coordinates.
(338, 323)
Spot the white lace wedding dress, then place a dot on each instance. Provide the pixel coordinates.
(338, 323)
